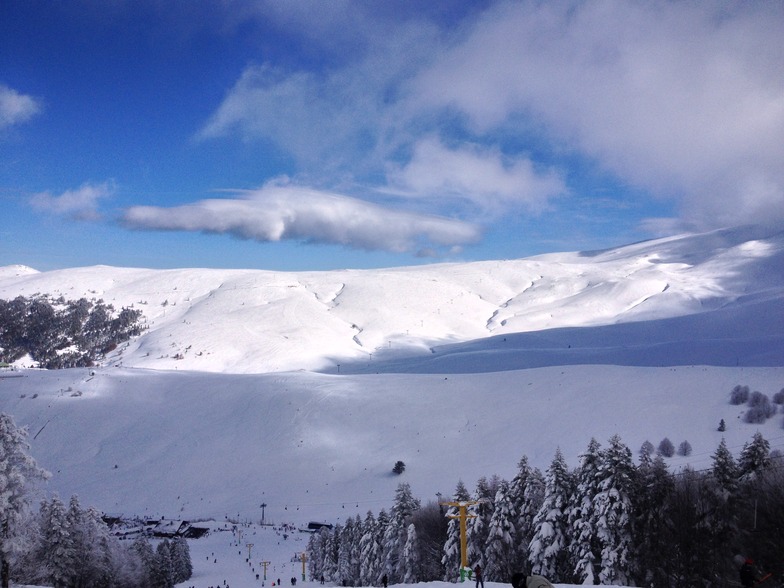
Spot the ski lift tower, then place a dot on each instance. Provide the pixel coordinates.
(462, 516)
(303, 557)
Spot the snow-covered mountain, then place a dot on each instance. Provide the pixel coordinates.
(301, 390)
(252, 321)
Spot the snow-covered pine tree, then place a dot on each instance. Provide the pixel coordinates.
(369, 550)
(533, 497)
(344, 553)
(721, 518)
(725, 470)
(501, 541)
(181, 560)
(614, 512)
(18, 471)
(146, 557)
(348, 561)
(355, 554)
(517, 499)
(163, 570)
(584, 548)
(331, 545)
(315, 557)
(382, 522)
(753, 457)
(396, 532)
(548, 549)
(451, 552)
(411, 567)
(109, 554)
(479, 524)
(55, 551)
(108, 572)
(83, 548)
(653, 546)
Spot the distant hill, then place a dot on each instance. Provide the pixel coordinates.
(254, 321)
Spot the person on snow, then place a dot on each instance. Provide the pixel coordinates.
(522, 581)
(479, 578)
(747, 574)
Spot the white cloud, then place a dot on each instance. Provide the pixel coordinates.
(285, 211)
(81, 204)
(478, 174)
(16, 108)
(684, 99)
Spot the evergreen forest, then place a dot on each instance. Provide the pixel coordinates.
(56, 333)
(608, 521)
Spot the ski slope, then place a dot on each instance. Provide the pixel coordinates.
(301, 390)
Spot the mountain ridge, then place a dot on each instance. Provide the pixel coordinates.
(258, 321)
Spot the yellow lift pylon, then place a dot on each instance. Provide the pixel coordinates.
(304, 557)
(462, 516)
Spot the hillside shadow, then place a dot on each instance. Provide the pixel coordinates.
(749, 334)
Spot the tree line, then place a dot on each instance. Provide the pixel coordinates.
(607, 521)
(69, 546)
(62, 334)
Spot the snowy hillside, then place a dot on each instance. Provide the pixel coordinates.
(301, 390)
(252, 321)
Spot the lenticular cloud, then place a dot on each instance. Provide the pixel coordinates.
(275, 213)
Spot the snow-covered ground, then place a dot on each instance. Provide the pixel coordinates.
(300, 391)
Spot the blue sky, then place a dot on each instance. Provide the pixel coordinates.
(325, 135)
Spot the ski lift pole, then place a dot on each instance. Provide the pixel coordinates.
(303, 556)
(462, 516)
(264, 565)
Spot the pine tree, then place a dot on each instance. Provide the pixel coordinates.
(431, 529)
(104, 554)
(653, 547)
(82, 552)
(451, 552)
(548, 550)
(533, 498)
(146, 556)
(331, 545)
(614, 511)
(396, 532)
(754, 456)
(411, 560)
(585, 548)
(501, 541)
(18, 471)
(108, 572)
(721, 495)
(181, 560)
(517, 500)
(56, 553)
(345, 547)
(369, 550)
(315, 555)
(382, 522)
(725, 470)
(163, 570)
(478, 526)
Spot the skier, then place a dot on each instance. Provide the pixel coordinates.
(522, 581)
(384, 580)
(747, 575)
